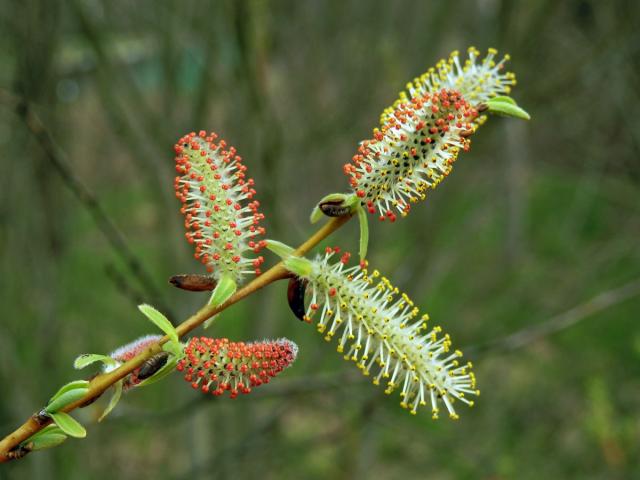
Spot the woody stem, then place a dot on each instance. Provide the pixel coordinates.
(102, 382)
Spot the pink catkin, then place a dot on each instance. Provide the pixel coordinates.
(216, 365)
(130, 350)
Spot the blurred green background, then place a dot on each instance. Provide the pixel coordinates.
(539, 224)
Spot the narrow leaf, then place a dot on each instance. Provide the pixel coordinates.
(68, 424)
(225, 288)
(160, 321)
(113, 401)
(352, 200)
(298, 265)
(503, 98)
(316, 214)
(333, 197)
(280, 249)
(48, 439)
(507, 108)
(66, 398)
(69, 386)
(89, 358)
(364, 232)
(175, 349)
(51, 428)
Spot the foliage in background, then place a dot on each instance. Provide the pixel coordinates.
(522, 235)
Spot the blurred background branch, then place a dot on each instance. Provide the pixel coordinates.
(533, 221)
(104, 223)
(565, 320)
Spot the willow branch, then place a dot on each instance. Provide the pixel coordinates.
(102, 382)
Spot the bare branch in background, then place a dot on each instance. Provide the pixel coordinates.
(565, 320)
(57, 158)
(122, 283)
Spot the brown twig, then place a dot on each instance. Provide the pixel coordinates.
(102, 382)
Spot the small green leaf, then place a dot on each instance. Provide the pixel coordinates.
(316, 214)
(225, 288)
(166, 370)
(48, 441)
(280, 249)
(89, 358)
(364, 232)
(51, 428)
(175, 349)
(65, 399)
(160, 321)
(503, 98)
(76, 384)
(113, 401)
(298, 265)
(68, 424)
(50, 436)
(334, 197)
(509, 108)
(352, 200)
(69, 386)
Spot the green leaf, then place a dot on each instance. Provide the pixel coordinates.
(364, 232)
(166, 370)
(51, 428)
(503, 98)
(334, 197)
(280, 249)
(225, 288)
(70, 396)
(48, 441)
(69, 386)
(160, 321)
(89, 358)
(352, 200)
(113, 401)
(507, 106)
(298, 265)
(50, 436)
(68, 424)
(67, 394)
(177, 350)
(316, 214)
